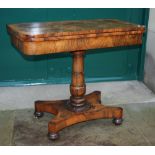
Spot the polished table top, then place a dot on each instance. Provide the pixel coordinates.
(65, 36)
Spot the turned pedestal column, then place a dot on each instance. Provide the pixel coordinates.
(77, 102)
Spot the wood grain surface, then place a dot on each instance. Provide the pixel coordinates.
(65, 118)
(55, 37)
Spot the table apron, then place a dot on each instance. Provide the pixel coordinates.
(58, 46)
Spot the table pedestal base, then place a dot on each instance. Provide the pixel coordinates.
(64, 117)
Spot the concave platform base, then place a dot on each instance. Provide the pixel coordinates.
(65, 117)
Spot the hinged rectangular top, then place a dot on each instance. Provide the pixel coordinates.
(66, 36)
(57, 30)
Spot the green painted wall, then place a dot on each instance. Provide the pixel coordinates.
(103, 64)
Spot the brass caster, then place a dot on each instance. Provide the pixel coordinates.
(38, 114)
(117, 121)
(53, 136)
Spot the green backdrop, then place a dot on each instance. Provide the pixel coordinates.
(125, 63)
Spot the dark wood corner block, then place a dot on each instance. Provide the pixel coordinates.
(76, 37)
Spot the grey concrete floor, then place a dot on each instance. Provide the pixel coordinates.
(19, 127)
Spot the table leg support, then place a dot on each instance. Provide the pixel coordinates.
(79, 107)
(64, 117)
(99, 112)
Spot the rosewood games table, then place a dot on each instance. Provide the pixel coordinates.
(76, 37)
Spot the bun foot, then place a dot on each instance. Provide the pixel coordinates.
(117, 121)
(38, 114)
(53, 136)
